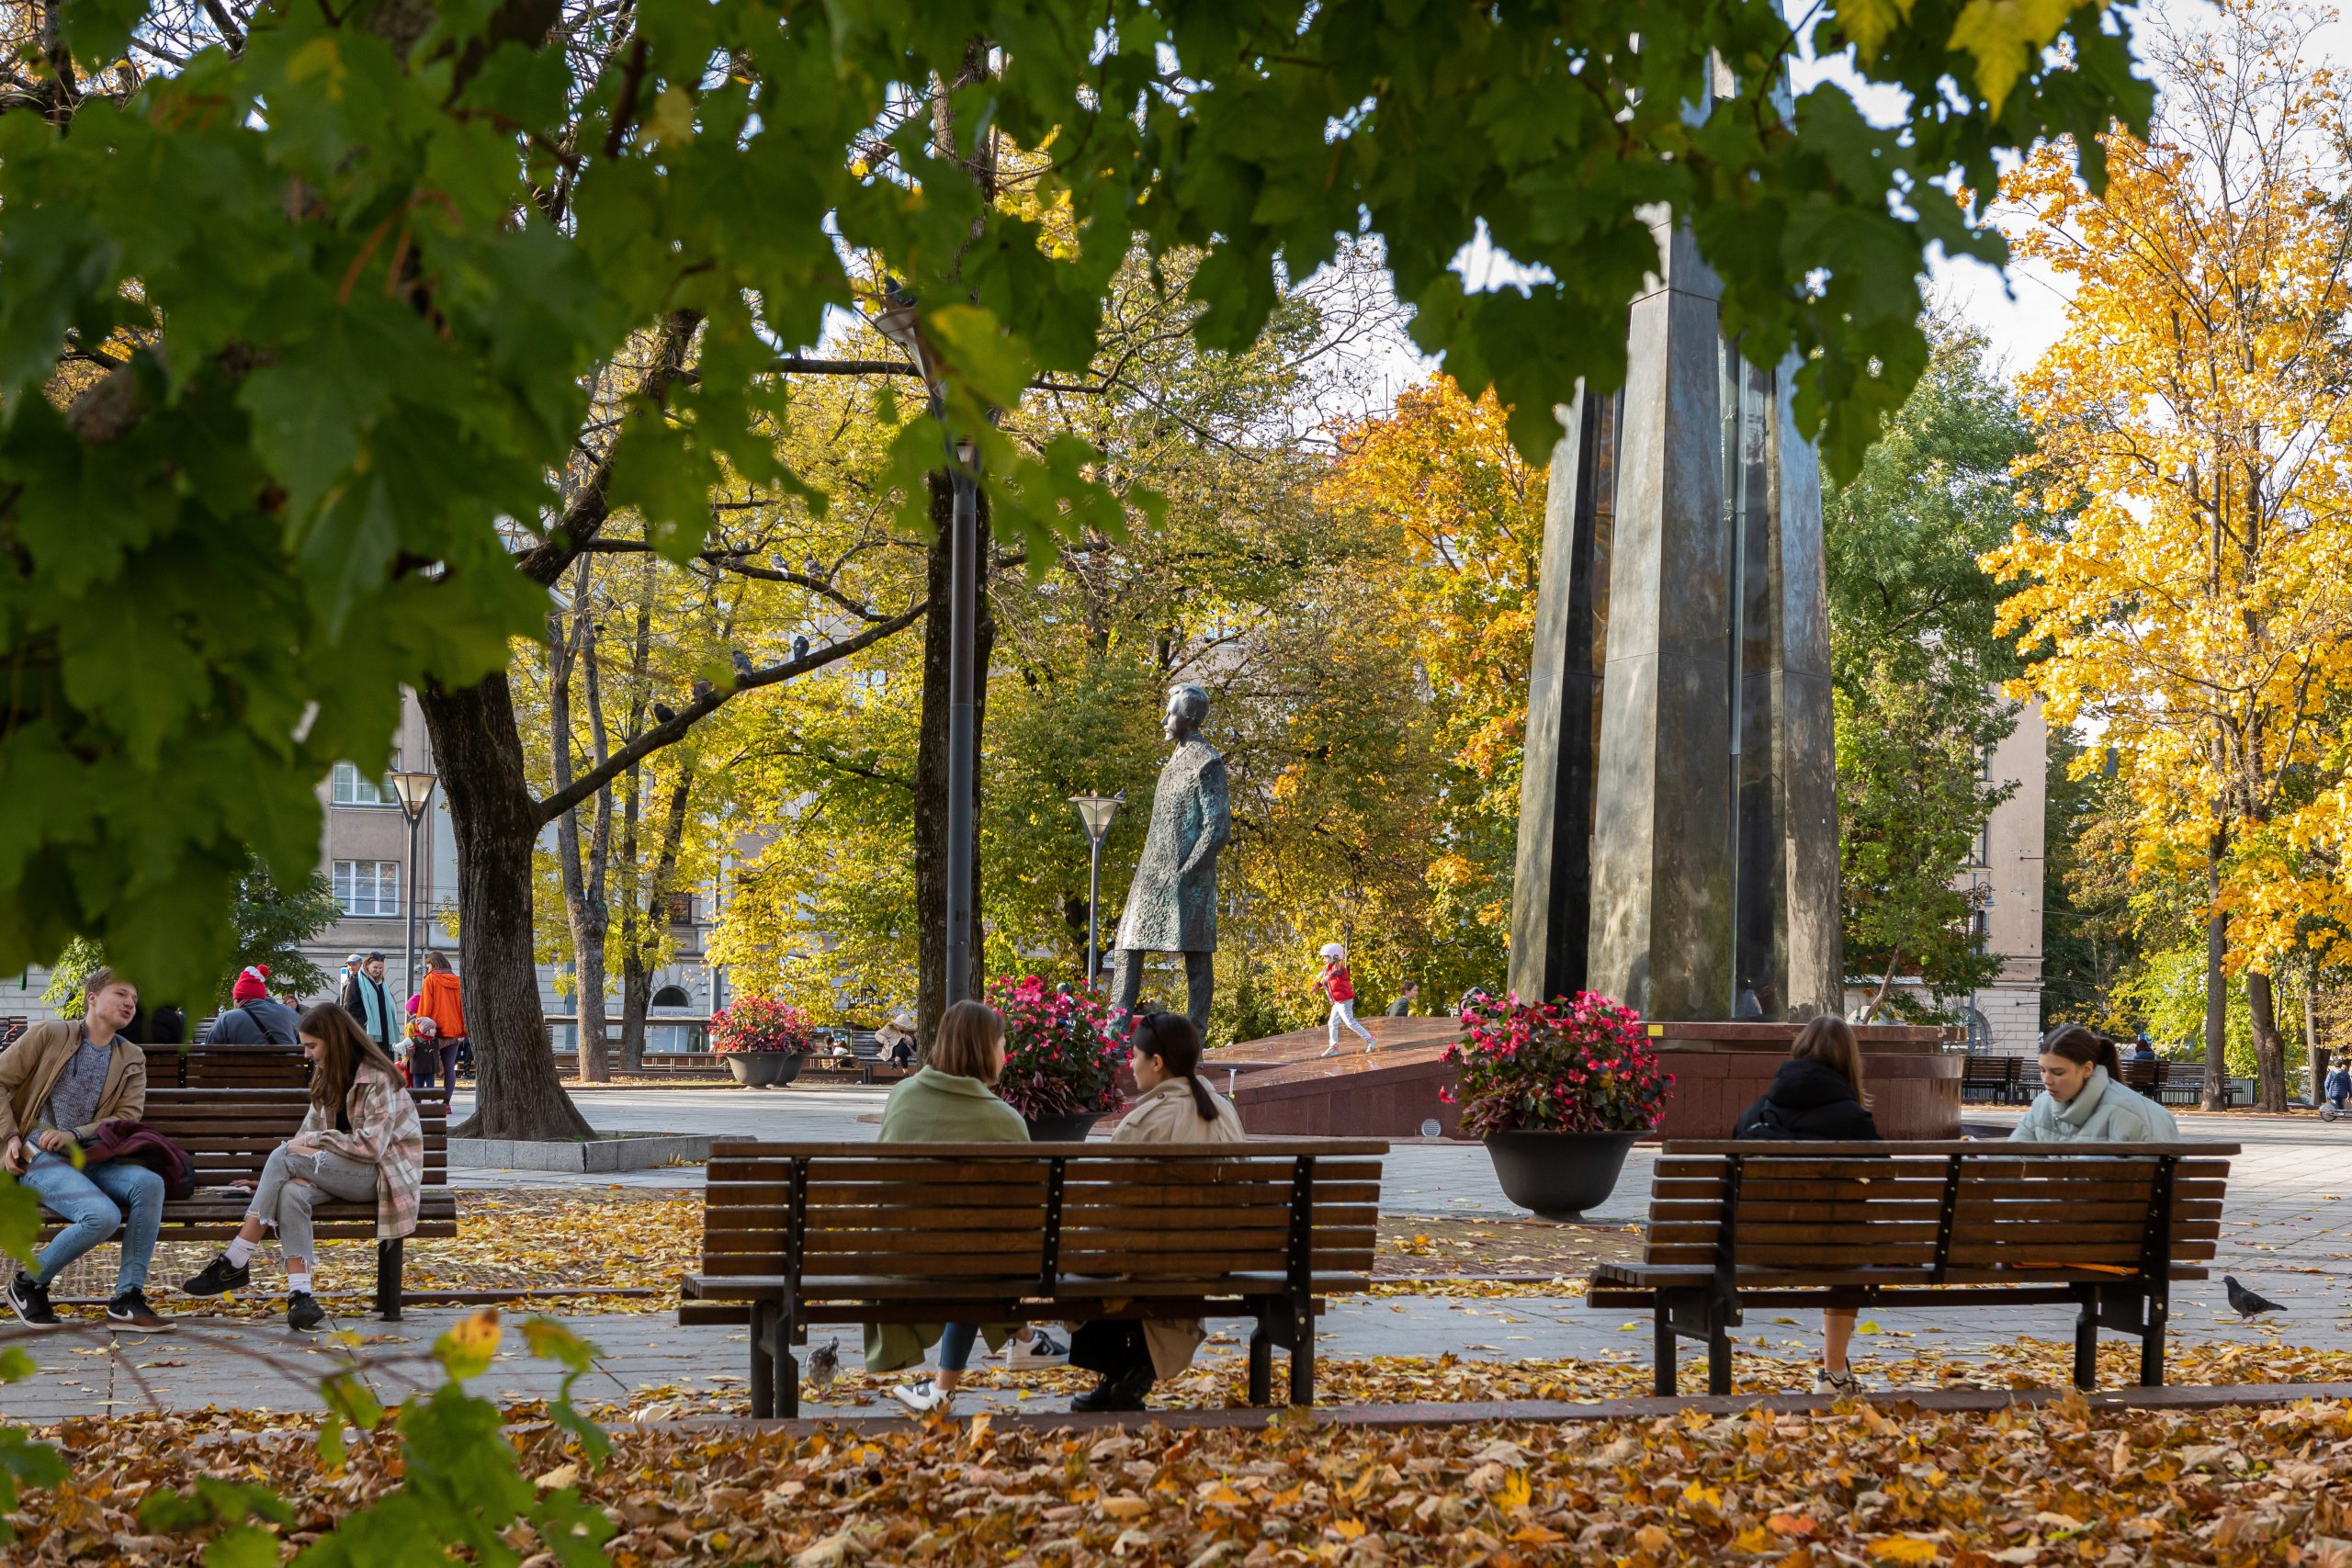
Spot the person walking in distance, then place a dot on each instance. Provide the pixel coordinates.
(441, 1002)
(361, 1140)
(369, 1002)
(1336, 983)
(1408, 996)
(59, 1084)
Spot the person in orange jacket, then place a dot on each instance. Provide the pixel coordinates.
(440, 1001)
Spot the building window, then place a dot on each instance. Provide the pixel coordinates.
(350, 788)
(367, 886)
(682, 909)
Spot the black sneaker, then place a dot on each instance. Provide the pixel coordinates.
(29, 1302)
(303, 1313)
(219, 1277)
(130, 1310)
(1122, 1392)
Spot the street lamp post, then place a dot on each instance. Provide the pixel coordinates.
(415, 792)
(1095, 811)
(900, 321)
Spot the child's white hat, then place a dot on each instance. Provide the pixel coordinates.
(1333, 950)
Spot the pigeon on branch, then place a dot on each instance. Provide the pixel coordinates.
(743, 664)
(2244, 1303)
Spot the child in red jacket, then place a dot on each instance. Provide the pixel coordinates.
(1335, 983)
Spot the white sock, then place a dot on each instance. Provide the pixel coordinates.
(298, 1281)
(240, 1253)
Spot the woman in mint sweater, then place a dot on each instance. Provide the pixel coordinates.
(2085, 1100)
(950, 1101)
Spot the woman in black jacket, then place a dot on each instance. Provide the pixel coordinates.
(1817, 1094)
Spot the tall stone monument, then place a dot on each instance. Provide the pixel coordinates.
(1677, 831)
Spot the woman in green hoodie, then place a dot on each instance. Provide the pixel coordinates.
(2085, 1100)
(950, 1101)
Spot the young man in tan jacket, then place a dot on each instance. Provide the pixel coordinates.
(58, 1085)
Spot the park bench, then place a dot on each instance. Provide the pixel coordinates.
(802, 1234)
(2106, 1227)
(1997, 1078)
(227, 1066)
(227, 1134)
(655, 1064)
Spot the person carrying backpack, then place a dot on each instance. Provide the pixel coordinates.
(255, 1019)
(1817, 1094)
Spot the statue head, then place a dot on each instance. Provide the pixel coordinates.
(1187, 706)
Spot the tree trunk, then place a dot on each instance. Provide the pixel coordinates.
(931, 764)
(2269, 1046)
(495, 823)
(585, 906)
(637, 980)
(2310, 1026)
(636, 974)
(2217, 987)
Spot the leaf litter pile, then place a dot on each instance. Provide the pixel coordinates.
(1864, 1486)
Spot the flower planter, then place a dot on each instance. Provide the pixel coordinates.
(1558, 1175)
(763, 1069)
(1069, 1129)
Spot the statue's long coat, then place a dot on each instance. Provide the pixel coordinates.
(1171, 909)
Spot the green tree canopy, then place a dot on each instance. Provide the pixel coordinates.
(300, 306)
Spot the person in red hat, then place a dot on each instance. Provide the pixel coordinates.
(254, 1017)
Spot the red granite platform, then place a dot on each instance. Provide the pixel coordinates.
(1284, 1086)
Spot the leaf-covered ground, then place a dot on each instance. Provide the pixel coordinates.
(644, 1239)
(2060, 1484)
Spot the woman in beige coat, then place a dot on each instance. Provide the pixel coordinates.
(1172, 1107)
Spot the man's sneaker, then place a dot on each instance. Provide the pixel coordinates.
(303, 1313)
(923, 1396)
(1845, 1384)
(29, 1302)
(1040, 1350)
(219, 1277)
(130, 1310)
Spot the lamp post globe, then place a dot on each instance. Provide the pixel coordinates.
(1095, 811)
(414, 793)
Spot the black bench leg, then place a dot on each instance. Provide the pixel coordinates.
(2086, 1343)
(2152, 1343)
(1261, 1364)
(1663, 1352)
(763, 1361)
(389, 1261)
(1718, 1351)
(1302, 1352)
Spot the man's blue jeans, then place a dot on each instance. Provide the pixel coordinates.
(94, 1203)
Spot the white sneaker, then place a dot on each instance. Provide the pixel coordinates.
(1040, 1350)
(923, 1396)
(1845, 1384)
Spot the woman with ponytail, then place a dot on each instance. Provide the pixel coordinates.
(1171, 1106)
(2083, 1098)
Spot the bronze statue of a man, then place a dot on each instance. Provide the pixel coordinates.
(1171, 904)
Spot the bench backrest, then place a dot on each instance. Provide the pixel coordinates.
(229, 1132)
(1937, 1212)
(227, 1066)
(1035, 1215)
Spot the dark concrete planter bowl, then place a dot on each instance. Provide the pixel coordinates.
(1071, 1128)
(1559, 1175)
(765, 1069)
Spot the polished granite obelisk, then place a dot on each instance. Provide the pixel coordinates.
(1677, 842)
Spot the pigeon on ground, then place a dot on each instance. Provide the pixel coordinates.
(2244, 1303)
(824, 1365)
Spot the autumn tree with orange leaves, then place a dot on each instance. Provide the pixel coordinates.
(1438, 475)
(2193, 425)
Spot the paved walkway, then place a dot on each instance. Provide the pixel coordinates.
(2287, 1231)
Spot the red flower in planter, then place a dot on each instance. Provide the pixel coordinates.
(1579, 1064)
(1060, 1057)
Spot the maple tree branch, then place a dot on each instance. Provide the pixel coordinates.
(673, 729)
